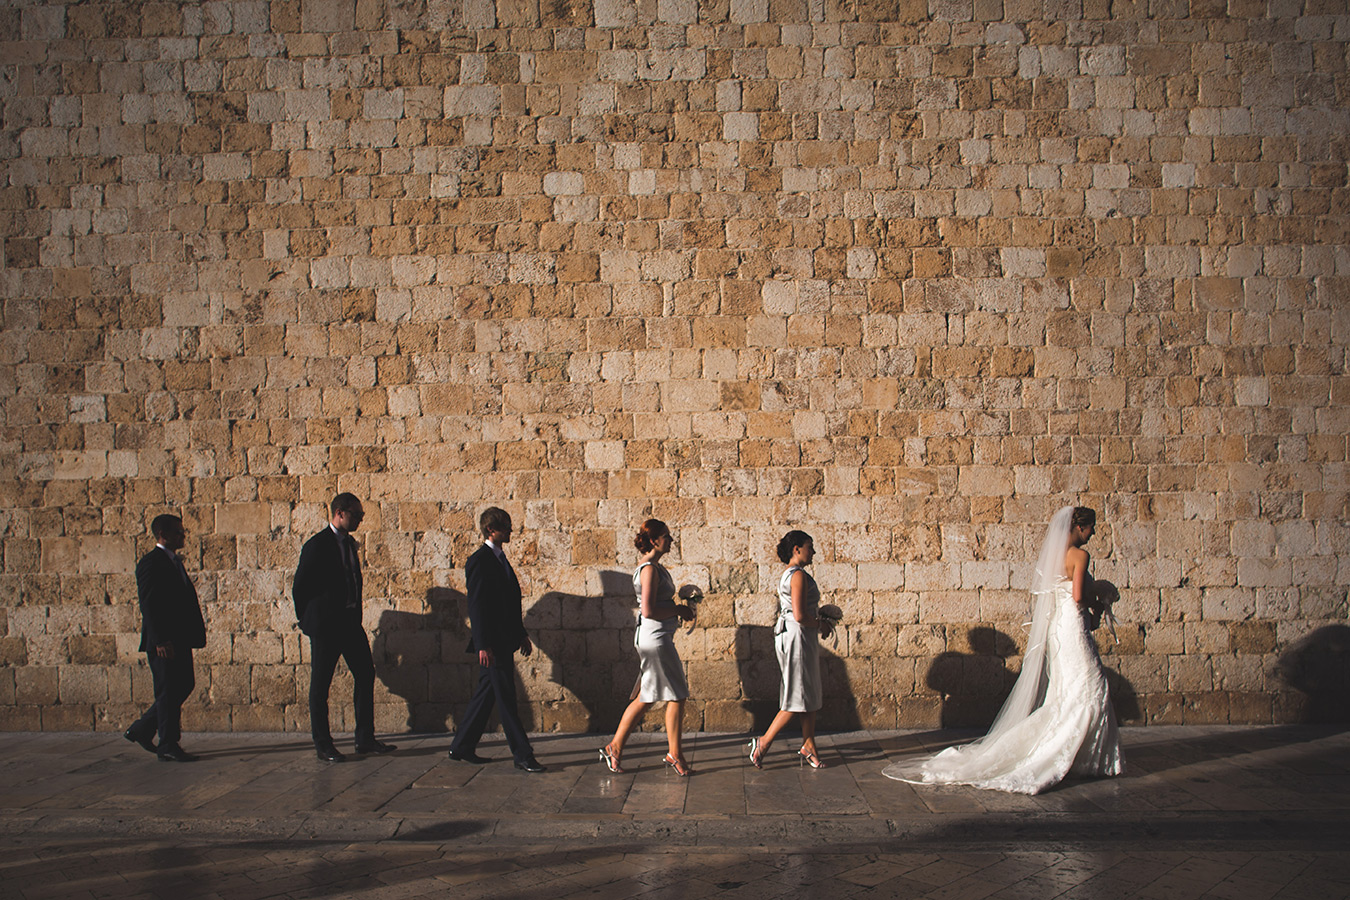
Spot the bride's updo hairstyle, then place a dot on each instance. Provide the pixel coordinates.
(651, 531)
(791, 541)
(1083, 517)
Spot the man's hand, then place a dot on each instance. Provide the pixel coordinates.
(485, 657)
(526, 648)
(164, 650)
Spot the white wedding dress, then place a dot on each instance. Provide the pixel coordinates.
(1058, 719)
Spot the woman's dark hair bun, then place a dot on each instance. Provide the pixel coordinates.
(791, 541)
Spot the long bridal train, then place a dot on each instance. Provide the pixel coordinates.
(1058, 721)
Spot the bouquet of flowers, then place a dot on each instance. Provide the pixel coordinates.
(692, 594)
(1104, 597)
(830, 616)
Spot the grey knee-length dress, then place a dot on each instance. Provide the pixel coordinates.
(798, 648)
(662, 673)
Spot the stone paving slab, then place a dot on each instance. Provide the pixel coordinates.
(1216, 812)
(107, 867)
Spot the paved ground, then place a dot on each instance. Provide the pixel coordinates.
(1218, 812)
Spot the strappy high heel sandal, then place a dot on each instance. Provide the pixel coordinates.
(680, 766)
(756, 757)
(611, 760)
(810, 759)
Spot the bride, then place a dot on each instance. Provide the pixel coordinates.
(1058, 719)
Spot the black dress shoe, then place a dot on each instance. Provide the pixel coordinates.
(468, 756)
(144, 740)
(174, 753)
(377, 747)
(329, 754)
(530, 765)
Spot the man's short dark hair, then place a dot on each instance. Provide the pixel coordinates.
(494, 518)
(161, 524)
(344, 502)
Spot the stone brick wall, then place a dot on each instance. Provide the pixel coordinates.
(907, 275)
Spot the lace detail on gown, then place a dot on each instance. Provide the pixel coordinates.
(1072, 732)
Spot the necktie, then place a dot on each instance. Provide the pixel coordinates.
(349, 559)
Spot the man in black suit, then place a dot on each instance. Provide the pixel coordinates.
(171, 627)
(497, 632)
(327, 593)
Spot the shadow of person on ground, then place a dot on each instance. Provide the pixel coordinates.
(420, 657)
(1318, 667)
(302, 744)
(589, 643)
(1146, 754)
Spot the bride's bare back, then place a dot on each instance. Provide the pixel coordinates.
(1076, 561)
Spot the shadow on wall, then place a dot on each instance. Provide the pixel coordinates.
(1124, 698)
(589, 641)
(420, 657)
(757, 665)
(1318, 666)
(975, 685)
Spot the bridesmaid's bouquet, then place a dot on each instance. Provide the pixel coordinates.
(692, 594)
(831, 615)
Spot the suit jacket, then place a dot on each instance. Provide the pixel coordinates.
(321, 590)
(170, 611)
(494, 604)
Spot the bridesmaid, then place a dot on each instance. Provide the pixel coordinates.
(796, 639)
(662, 673)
